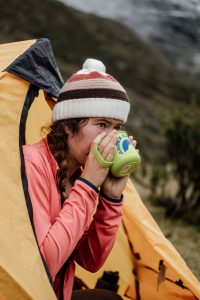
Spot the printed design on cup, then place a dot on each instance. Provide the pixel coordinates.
(122, 147)
(125, 145)
(127, 168)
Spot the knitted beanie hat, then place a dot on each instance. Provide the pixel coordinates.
(92, 93)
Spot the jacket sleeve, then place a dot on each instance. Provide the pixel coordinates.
(96, 244)
(57, 240)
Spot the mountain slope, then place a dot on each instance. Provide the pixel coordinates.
(152, 85)
(171, 26)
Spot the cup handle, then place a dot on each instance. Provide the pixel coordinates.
(99, 158)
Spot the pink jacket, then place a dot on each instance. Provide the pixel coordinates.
(72, 232)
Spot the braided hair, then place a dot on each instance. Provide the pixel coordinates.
(58, 144)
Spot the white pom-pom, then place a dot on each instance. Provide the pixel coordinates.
(92, 64)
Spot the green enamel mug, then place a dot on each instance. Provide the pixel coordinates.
(126, 158)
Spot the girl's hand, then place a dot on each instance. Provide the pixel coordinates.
(93, 171)
(114, 186)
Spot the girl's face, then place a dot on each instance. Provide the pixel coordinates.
(80, 143)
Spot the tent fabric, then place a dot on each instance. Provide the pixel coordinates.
(22, 272)
(149, 266)
(160, 270)
(37, 65)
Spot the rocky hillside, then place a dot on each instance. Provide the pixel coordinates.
(154, 88)
(171, 26)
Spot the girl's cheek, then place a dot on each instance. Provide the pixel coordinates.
(99, 129)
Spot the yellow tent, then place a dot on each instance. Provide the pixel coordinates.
(149, 266)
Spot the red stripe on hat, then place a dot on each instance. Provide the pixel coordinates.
(91, 75)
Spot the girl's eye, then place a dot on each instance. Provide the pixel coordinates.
(101, 125)
(118, 127)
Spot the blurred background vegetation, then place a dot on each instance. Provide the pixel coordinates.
(165, 106)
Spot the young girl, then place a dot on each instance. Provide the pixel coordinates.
(77, 204)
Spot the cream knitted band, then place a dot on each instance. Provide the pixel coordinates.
(92, 93)
(91, 107)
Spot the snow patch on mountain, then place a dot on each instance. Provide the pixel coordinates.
(172, 26)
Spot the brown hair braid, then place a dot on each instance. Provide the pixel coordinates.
(58, 143)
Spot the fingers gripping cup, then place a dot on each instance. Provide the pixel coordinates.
(126, 158)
